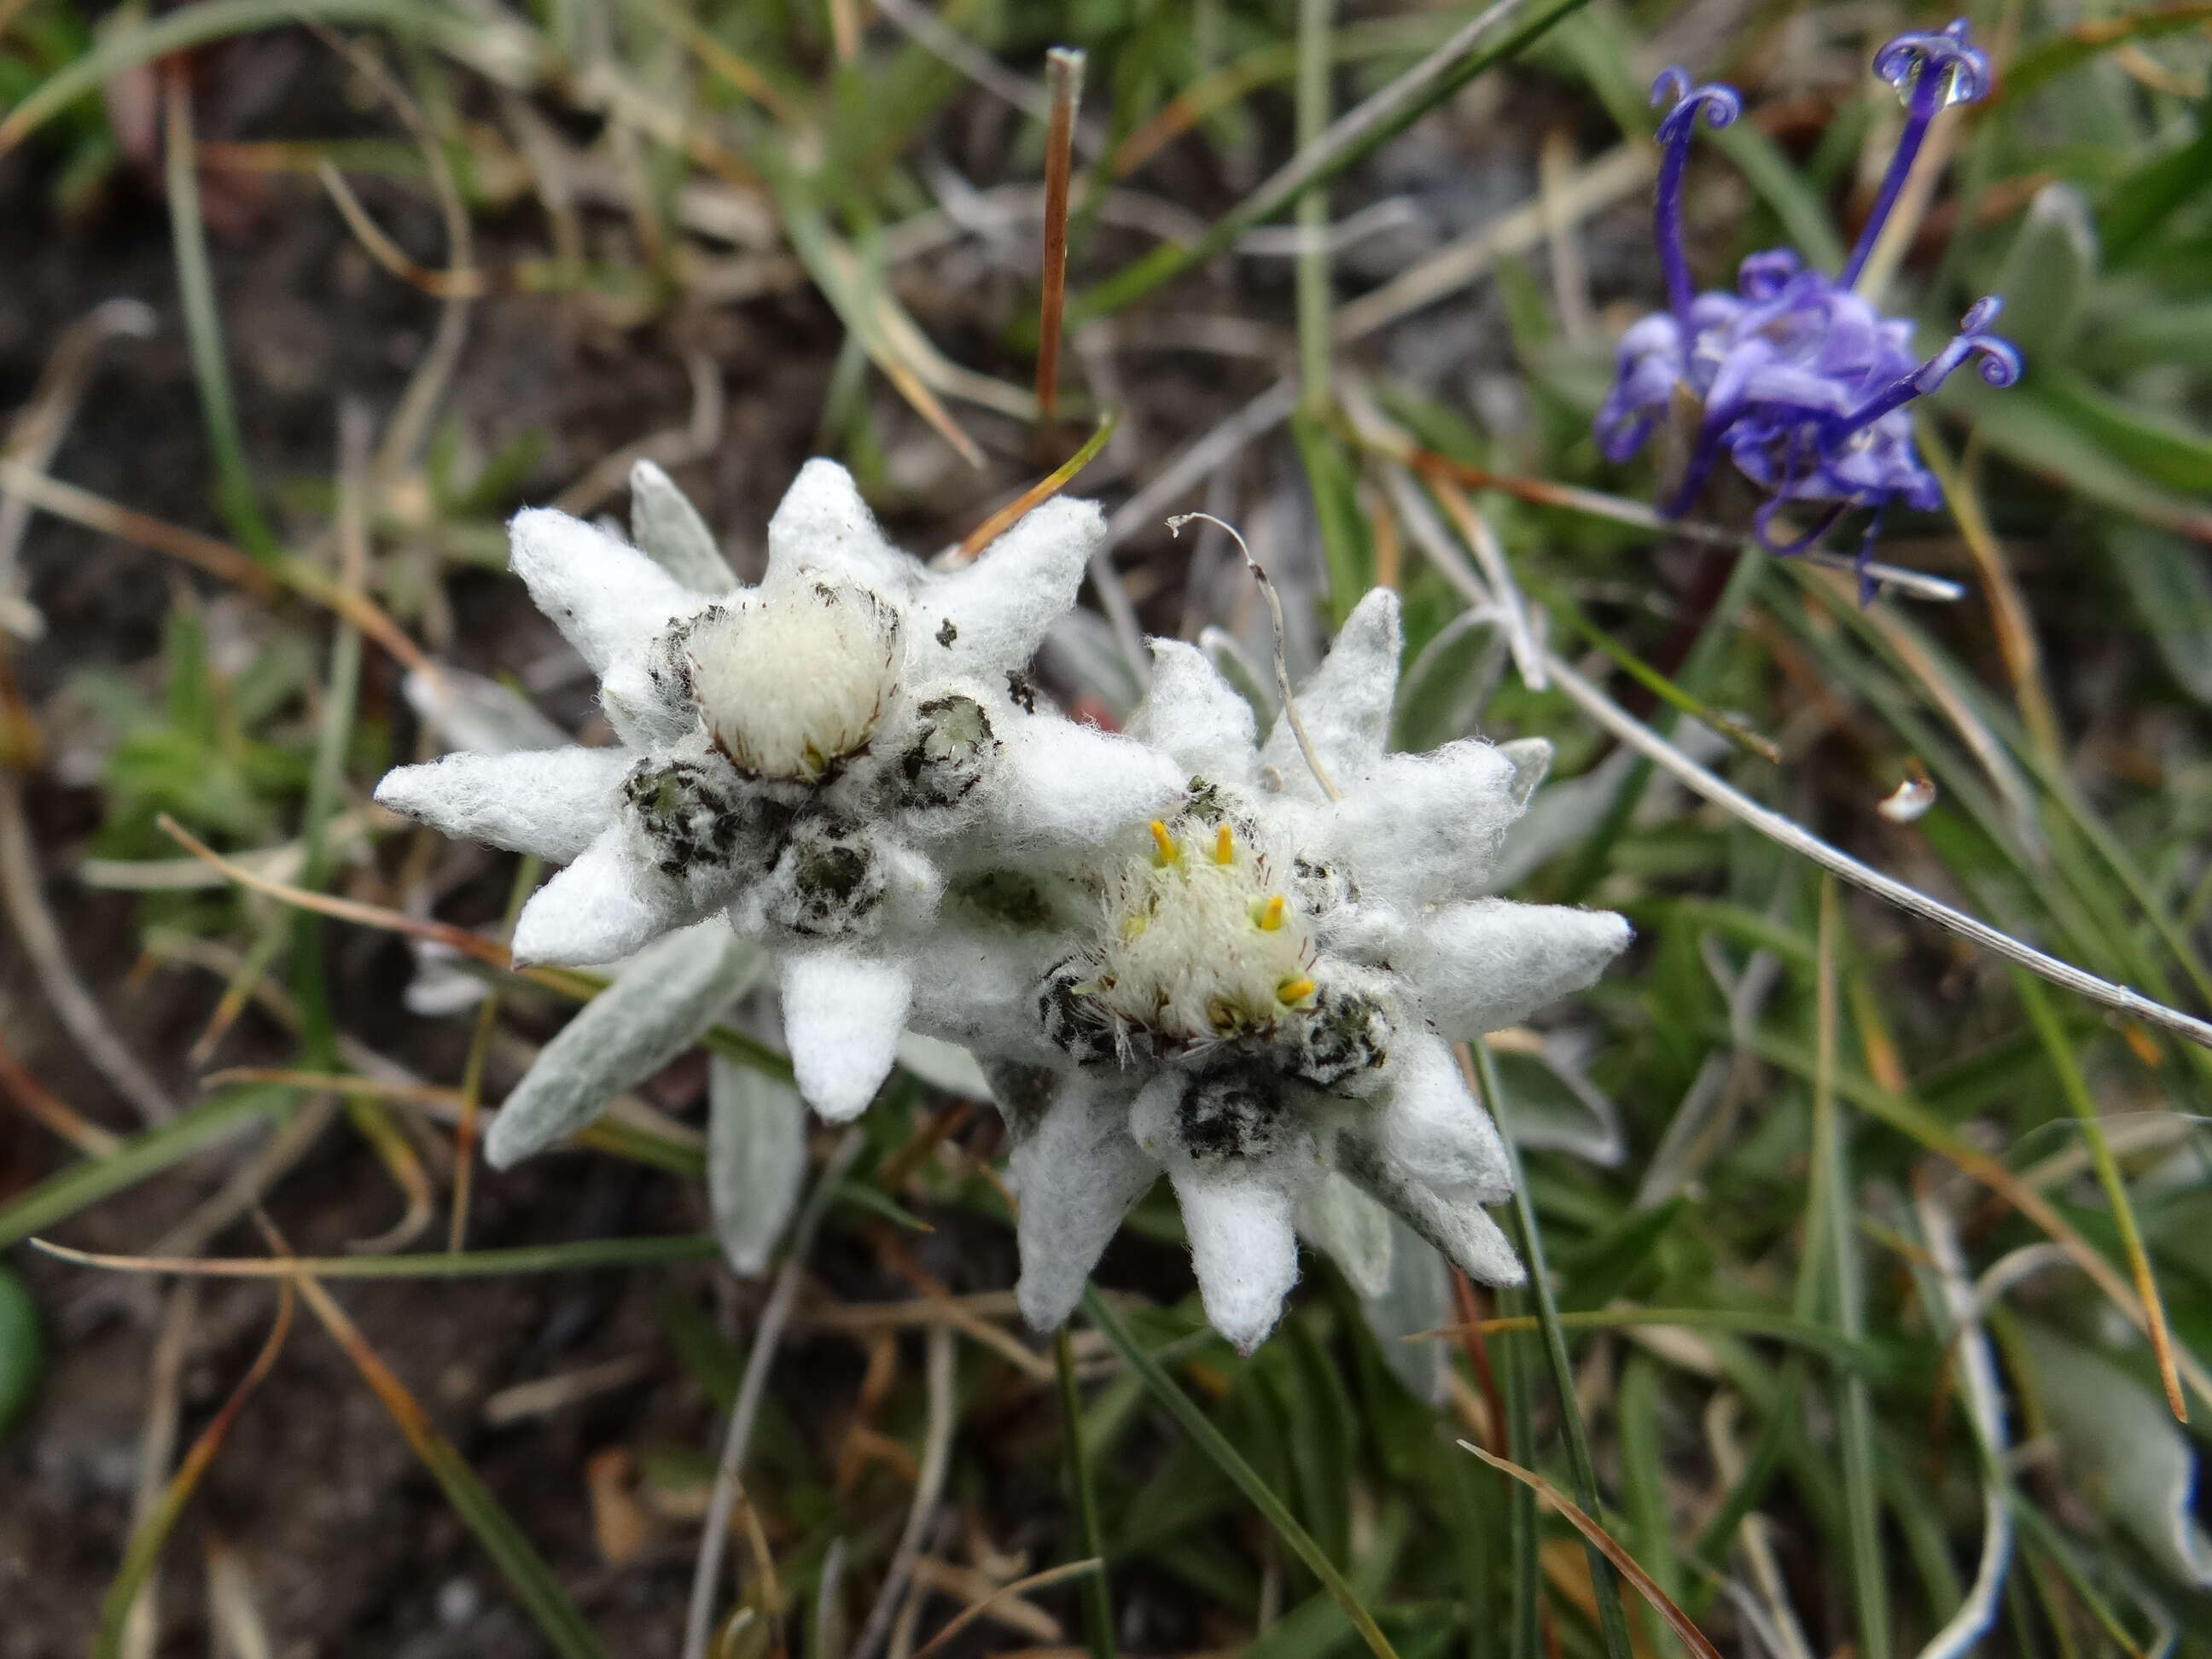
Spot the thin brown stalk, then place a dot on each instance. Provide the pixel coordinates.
(439, 284)
(217, 558)
(82, 506)
(1604, 1542)
(39, 1102)
(1035, 496)
(1035, 1581)
(157, 1443)
(1063, 71)
(2008, 613)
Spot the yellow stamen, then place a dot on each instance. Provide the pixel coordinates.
(1291, 991)
(1165, 852)
(1269, 917)
(1224, 845)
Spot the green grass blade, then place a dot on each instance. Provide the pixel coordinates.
(647, 1252)
(1097, 1593)
(1521, 1500)
(2076, 1087)
(1830, 1182)
(145, 1545)
(1231, 1461)
(194, 26)
(1613, 1625)
(22, 1349)
(234, 491)
(64, 1193)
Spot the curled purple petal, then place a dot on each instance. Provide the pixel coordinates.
(2000, 362)
(1762, 523)
(1762, 275)
(1672, 83)
(1720, 105)
(1931, 68)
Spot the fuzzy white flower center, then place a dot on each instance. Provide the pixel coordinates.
(793, 680)
(1198, 943)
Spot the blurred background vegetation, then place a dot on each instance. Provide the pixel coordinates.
(1876, 1265)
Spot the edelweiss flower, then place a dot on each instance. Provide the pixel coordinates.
(1797, 376)
(1270, 989)
(812, 758)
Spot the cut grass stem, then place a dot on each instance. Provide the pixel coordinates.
(1063, 68)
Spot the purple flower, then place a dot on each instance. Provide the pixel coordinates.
(1795, 376)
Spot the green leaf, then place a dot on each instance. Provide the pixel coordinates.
(2170, 455)
(22, 1349)
(2140, 203)
(2049, 268)
(2139, 1461)
(1345, 540)
(2166, 577)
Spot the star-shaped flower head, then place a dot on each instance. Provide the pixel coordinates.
(1273, 983)
(1800, 380)
(812, 758)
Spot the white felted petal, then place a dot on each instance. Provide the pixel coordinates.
(1532, 762)
(669, 531)
(755, 1160)
(601, 908)
(552, 803)
(605, 598)
(1431, 1128)
(1346, 702)
(943, 1065)
(1422, 828)
(1196, 715)
(822, 525)
(991, 615)
(1455, 1224)
(468, 711)
(981, 991)
(644, 701)
(1351, 1229)
(1061, 785)
(1243, 1247)
(842, 1014)
(653, 1011)
(1483, 965)
(1077, 1175)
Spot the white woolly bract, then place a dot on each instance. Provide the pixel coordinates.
(1200, 941)
(793, 680)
